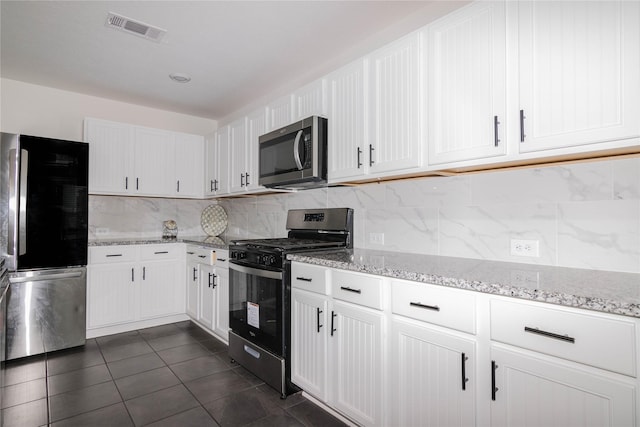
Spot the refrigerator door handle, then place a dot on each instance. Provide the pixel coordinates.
(13, 202)
(22, 203)
(41, 277)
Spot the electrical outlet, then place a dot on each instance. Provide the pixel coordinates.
(521, 247)
(101, 231)
(376, 238)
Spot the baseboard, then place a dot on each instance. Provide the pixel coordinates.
(132, 326)
(328, 409)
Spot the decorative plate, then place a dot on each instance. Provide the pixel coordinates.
(213, 220)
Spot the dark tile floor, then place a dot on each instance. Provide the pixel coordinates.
(171, 375)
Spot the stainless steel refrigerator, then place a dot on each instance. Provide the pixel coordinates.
(44, 231)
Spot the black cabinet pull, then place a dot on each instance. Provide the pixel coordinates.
(348, 289)
(132, 276)
(215, 276)
(246, 179)
(211, 186)
(112, 255)
(215, 188)
(137, 182)
(126, 182)
(425, 306)
(190, 253)
(210, 284)
(318, 313)
(494, 389)
(522, 117)
(202, 256)
(222, 259)
(371, 150)
(304, 279)
(241, 180)
(144, 273)
(194, 274)
(496, 139)
(177, 186)
(464, 371)
(333, 316)
(537, 331)
(359, 162)
(165, 252)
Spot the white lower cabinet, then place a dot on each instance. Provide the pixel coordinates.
(393, 352)
(432, 376)
(537, 391)
(208, 289)
(133, 283)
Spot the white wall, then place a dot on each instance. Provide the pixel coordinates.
(44, 111)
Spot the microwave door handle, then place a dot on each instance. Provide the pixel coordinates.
(296, 152)
(22, 203)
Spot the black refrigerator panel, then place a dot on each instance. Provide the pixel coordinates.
(48, 212)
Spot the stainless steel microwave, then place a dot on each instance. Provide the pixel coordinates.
(295, 156)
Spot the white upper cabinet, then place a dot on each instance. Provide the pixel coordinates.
(238, 155)
(466, 87)
(579, 72)
(189, 165)
(110, 156)
(154, 168)
(280, 113)
(347, 110)
(217, 163)
(310, 100)
(395, 137)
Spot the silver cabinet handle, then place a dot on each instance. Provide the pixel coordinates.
(296, 153)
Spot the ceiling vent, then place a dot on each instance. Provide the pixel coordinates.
(128, 25)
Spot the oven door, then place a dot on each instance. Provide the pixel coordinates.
(256, 309)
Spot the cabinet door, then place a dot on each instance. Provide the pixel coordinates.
(466, 92)
(207, 295)
(280, 112)
(395, 79)
(154, 163)
(111, 294)
(110, 154)
(427, 375)
(160, 293)
(356, 354)
(221, 310)
(310, 100)
(540, 392)
(309, 342)
(223, 156)
(238, 152)
(346, 122)
(193, 290)
(211, 166)
(256, 127)
(189, 163)
(579, 68)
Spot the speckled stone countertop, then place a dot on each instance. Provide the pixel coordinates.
(605, 291)
(220, 242)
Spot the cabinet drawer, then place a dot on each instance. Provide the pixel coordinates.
(590, 339)
(357, 288)
(450, 308)
(309, 277)
(159, 252)
(222, 258)
(112, 254)
(200, 255)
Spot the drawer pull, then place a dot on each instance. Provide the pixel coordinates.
(190, 253)
(161, 252)
(425, 306)
(348, 289)
(464, 371)
(202, 256)
(112, 255)
(494, 389)
(222, 259)
(537, 331)
(304, 279)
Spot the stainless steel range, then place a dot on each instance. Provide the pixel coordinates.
(260, 290)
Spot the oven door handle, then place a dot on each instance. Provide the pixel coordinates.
(256, 271)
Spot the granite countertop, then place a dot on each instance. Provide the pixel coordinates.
(220, 242)
(605, 291)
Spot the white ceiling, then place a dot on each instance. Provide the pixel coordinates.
(235, 51)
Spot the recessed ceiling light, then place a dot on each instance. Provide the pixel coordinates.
(180, 78)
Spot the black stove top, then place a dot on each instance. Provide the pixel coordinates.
(285, 244)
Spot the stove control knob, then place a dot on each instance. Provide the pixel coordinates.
(272, 260)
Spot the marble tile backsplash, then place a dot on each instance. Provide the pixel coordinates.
(584, 215)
